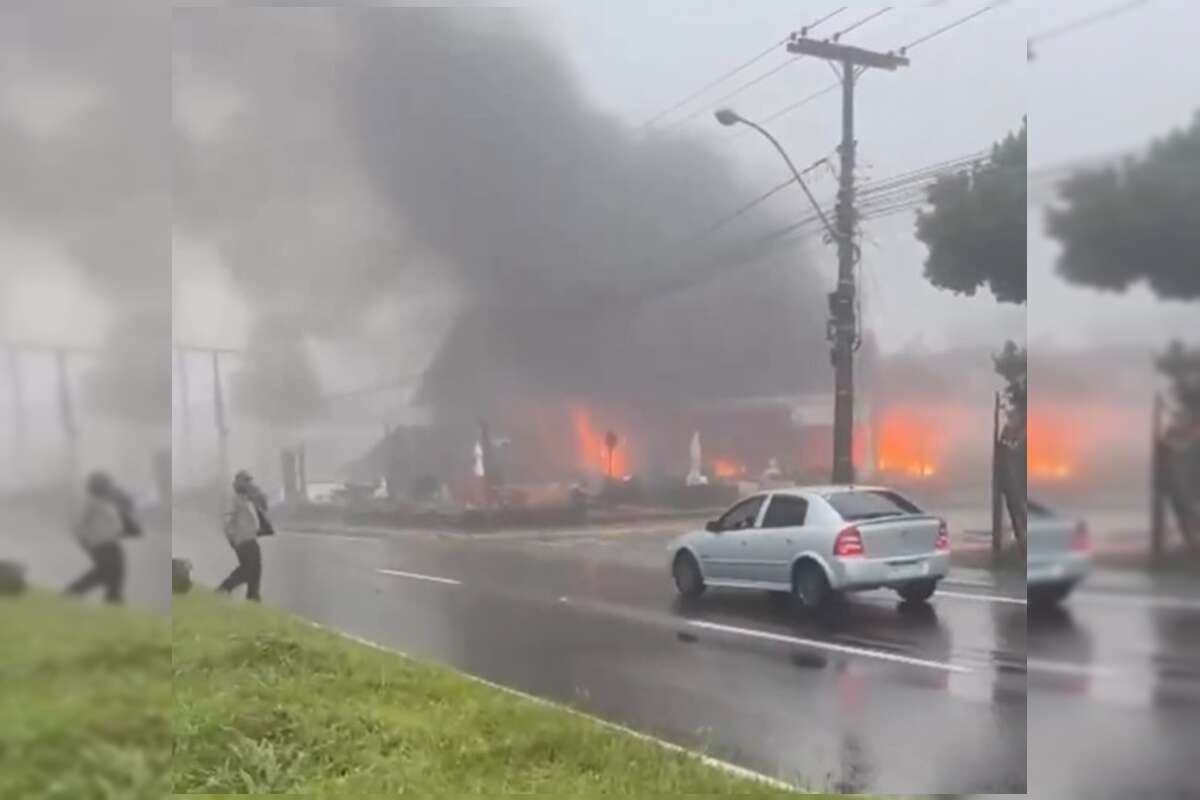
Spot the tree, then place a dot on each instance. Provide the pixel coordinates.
(1012, 365)
(975, 231)
(1139, 221)
(1181, 365)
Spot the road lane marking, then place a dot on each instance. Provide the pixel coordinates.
(1072, 669)
(979, 584)
(328, 536)
(716, 763)
(820, 645)
(983, 598)
(419, 577)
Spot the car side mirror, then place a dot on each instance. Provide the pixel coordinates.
(712, 526)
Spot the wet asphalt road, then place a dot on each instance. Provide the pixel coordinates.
(876, 698)
(1114, 693)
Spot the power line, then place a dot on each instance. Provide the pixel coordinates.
(949, 27)
(861, 22)
(649, 123)
(804, 31)
(801, 102)
(743, 87)
(711, 84)
(1084, 22)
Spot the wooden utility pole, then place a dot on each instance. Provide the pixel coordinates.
(997, 492)
(843, 322)
(16, 385)
(66, 405)
(1158, 498)
(215, 354)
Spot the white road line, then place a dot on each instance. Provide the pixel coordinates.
(983, 598)
(329, 536)
(708, 761)
(1069, 668)
(820, 645)
(419, 577)
(969, 582)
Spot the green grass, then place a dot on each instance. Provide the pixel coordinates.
(265, 703)
(85, 698)
(230, 698)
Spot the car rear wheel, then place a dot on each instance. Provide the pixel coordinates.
(918, 591)
(1048, 595)
(810, 586)
(688, 579)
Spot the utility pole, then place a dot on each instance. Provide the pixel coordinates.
(18, 406)
(215, 354)
(219, 416)
(185, 413)
(66, 405)
(843, 323)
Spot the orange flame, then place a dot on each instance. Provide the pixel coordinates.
(1055, 440)
(592, 451)
(908, 443)
(726, 469)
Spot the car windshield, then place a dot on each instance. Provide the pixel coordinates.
(862, 505)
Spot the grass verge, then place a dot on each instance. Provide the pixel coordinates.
(85, 697)
(266, 703)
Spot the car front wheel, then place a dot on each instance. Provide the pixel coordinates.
(688, 579)
(917, 592)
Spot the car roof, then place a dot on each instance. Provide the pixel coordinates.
(826, 490)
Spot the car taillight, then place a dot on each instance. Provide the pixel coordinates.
(1079, 539)
(943, 537)
(848, 543)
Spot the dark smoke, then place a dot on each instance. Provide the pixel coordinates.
(564, 233)
(558, 221)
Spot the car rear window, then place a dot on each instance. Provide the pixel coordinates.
(870, 504)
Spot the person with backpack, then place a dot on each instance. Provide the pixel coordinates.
(108, 517)
(258, 497)
(243, 526)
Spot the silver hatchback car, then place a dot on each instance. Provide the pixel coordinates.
(815, 542)
(1059, 555)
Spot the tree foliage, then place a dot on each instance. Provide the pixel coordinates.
(976, 228)
(1012, 365)
(1139, 221)
(1181, 365)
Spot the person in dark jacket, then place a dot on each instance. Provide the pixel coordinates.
(108, 517)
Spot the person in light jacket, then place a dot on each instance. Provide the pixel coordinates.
(244, 483)
(100, 530)
(242, 526)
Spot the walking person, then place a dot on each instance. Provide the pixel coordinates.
(242, 527)
(107, 518)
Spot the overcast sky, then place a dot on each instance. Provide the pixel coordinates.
(1105, 90)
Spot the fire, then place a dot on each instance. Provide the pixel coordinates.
(1055, 440)
(908, 443)
(592, 450)
(726, 469)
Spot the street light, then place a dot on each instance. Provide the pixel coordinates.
(842, 325)
(728, 117)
